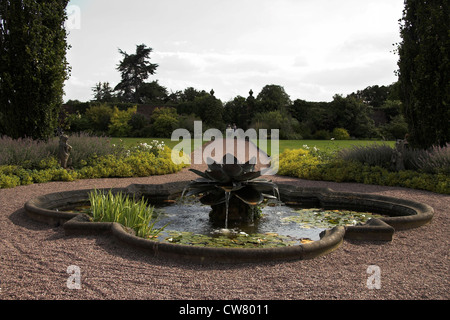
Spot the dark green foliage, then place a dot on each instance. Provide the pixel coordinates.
(103, 92)
(210, 110)
(163, 122)
(279, 119)
(140, 126)
(152, 92)
(397, 128)
(33, 66)
(424, 71)
(318, 118)
(271, 98)
(236, 112)
(374, 96)
(135, 69)
(353, 115)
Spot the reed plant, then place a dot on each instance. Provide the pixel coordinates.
(123, 209)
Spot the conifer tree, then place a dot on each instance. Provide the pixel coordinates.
(33, 66)
(424, 70)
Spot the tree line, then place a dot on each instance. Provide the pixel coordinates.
(343, 118)
(374, 112)
(33, 69)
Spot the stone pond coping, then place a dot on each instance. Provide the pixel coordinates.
(401, 214)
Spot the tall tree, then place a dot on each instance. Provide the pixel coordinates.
(152, 92)
(33, 66)
(352, 114)
(135, 69)
(273, 97)
(424, 71)
(210, 110)
(103, 92)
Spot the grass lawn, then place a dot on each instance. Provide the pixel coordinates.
(326, 145)
(323, 145)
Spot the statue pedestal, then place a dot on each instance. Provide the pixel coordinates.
(238, 212)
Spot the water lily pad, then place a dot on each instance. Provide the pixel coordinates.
(319, 218)
(232, 240)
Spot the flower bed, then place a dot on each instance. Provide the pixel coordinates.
(312, 165)
(25, 161)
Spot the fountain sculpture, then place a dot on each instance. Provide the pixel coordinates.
(233, 190)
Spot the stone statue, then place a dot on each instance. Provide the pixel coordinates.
(64, 151)
(397, 158)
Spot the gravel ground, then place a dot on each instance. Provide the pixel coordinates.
(34, 259)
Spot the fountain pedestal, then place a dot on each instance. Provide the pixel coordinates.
(238, 212)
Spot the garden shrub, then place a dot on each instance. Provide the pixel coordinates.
(8, 181)
(340, 134)
(373, 155)
(303, 164)
(93, 158)
(31, 154)
(433, 161)
(164, 121)
(120, 122)
(140, 126)
(99, 117)
(396, 128)
(24, 151)
(322, 135)
(289, 127)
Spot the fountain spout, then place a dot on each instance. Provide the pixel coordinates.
(231, 189)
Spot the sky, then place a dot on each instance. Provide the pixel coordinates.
(313, 49)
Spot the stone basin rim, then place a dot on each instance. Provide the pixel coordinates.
(404, 214)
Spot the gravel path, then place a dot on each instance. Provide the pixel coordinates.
(34, 259)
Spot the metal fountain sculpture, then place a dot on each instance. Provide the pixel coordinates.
(232, 189)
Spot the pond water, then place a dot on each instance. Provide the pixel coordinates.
(188, 223)
(279, 225)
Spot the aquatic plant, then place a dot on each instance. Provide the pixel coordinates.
(121, 208)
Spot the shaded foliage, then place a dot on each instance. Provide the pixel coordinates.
(424, 69)
(33, 66)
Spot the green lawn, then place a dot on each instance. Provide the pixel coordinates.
(323, 145)
(326, 145)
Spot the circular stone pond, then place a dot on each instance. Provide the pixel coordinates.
(310, 222)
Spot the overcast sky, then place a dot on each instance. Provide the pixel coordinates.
(313, 48)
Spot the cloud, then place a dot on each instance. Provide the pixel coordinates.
(311, 47)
